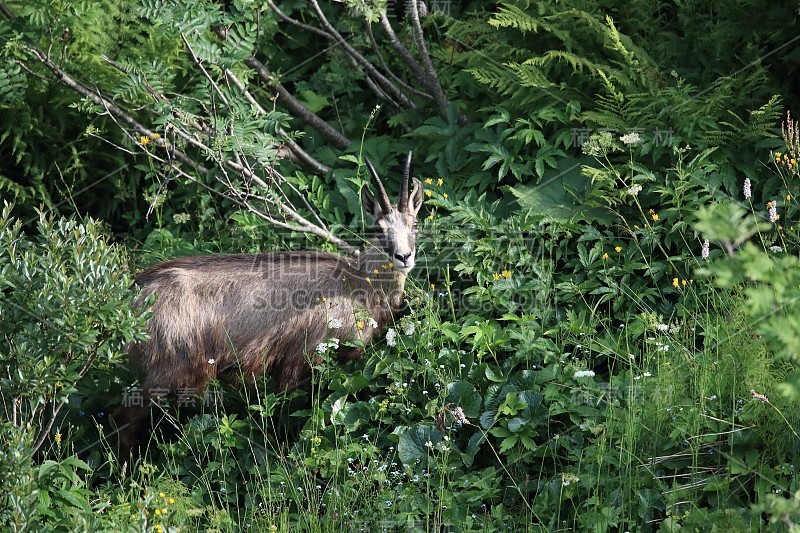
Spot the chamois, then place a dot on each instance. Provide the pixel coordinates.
(234, 316)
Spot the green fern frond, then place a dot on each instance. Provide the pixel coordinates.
(511, 16)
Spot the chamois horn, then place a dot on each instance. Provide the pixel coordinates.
(402, 204)
(383, 199)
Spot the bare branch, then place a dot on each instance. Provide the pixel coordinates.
(205, 72)
(368, 67)
(116, 113)
(295, 148)
(386, 68)
(430, 77)
(294, 106)
(299, 24)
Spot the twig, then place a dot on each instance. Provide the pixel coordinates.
(432, 79)
(389, 72)
(368, 67)
(294, 106)
(299, 24)
(295, 148)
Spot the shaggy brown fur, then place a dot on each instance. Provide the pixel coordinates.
(240, 316)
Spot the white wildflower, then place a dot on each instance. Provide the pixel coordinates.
(630, 138)
(773, 212)
(334, 323)
(776, 249)
(662, 328)
(332, 343)
(409, 329)
(634, 190)
(391, 337)
(567, 479)
(212, 361)
(181, 218)
(746, 189)
(584, 374)
(705, 251)
(372, 322)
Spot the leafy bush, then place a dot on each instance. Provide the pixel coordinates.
(64, 302)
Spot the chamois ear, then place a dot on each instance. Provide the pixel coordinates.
(370, 204)
(415, 198)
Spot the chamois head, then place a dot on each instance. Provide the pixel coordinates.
(395, 225)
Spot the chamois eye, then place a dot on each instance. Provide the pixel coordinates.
(415, 227)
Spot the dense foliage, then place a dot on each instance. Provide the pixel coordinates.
(600, 335)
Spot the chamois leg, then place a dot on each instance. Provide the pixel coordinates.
(132, 424)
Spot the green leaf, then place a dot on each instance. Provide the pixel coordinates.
(416, 442)
(463, 394)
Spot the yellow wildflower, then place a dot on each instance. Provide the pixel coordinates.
(155, 136)
(360, 325)
(428, 194)
(605, 256)
(788, 197)
(391, 265)
(430, 217)
(369, 280)
(58, 438)
(161, 495)
(683, 282)
(433, 287)
(506, 274)
(324, 299)
(171, 501)
(675, 282)
(618, 249)
(428, 181)
(375, 271)
(144, 140)
(439, 182)
(496, 276)
(158, 512)
(655, 217)
(445, 196)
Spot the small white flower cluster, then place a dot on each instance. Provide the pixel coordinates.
(776, 249)
(705, 251)
(598, 144)
(181, 218)
(332, 343)
(409, 329)
(747, 190)
(634, 190)
(645, 375)
(568, 478)
(630, 138)
(372, 323)
(334, 323)
(391, 337)
(773, 212)
(584, 374)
